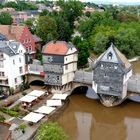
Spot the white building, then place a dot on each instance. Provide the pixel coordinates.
(12, 64)
(59, 62)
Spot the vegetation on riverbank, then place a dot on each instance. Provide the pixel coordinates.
(51, 131)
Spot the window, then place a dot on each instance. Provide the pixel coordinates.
(1, 55)
(19, 60)
(2, 74)
(14, 62)
(20, 70)
(30, 48)
(1, 64)
(109, 56)
(57, 77)
(26, 40)
(29, 40)
(102, 66)
(66, 59)
(26, 49)
(15, 80)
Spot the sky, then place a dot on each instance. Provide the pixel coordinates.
(114, 1)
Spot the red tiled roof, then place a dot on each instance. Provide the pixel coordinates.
(12, 32)
(58, 47)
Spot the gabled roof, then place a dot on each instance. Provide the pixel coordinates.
(57, 47)
(12, 32)
(9, 47)
(117, 57)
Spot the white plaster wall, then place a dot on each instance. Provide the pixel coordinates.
(70, 58)
(12, 70)
(66, 78)
(71, 50)
(127, 76)
(70, 67)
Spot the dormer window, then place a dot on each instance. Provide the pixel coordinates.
(109, 56)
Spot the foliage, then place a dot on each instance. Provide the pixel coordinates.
(11, 90)
(2, 118)
(71, 10)
(83, 53)
(21, 127)
(5, 18)
(9, 112)
(46, 28)
(16, 108)
(20, 6)
(51, 131)
(31, 24)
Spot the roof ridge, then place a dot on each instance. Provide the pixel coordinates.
(10, 47)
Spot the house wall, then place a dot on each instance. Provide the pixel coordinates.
(109, 79)
(11, 67)
(28, 41)
(66, 78)
(70, 58)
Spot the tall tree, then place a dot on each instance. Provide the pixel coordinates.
(5, 18)
(83, 53)
(46, 28)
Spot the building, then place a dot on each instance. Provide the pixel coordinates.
(12, 64)
(22, 35)
(38, 42)
(22, 16)
(59, 62)
(5, 133)
(111, 72)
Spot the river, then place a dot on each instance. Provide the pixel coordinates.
(87, 119)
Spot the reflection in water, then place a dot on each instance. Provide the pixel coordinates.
(86, 119)
(83, 125)
(132, 128)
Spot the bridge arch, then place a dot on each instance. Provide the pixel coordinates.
(32, 79)
(81, 88)
(37, 82)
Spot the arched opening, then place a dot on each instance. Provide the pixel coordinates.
(87, 91)
(37, 83)
(80, 90)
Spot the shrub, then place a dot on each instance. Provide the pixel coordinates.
(16, 108)
(9, 112)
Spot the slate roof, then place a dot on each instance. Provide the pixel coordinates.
(121, 59)
(2, 37)
(36, 38)
(12, 32)
(9, 47)
(57, 47)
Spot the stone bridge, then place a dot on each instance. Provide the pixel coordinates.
(82, 78)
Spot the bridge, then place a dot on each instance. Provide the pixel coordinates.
(82, 78)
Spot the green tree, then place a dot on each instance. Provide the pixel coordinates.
(5, 18)
(31, 24)
(83, 53)
(128, 42)
(46, 27)
(71, 10)
(51, 131)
